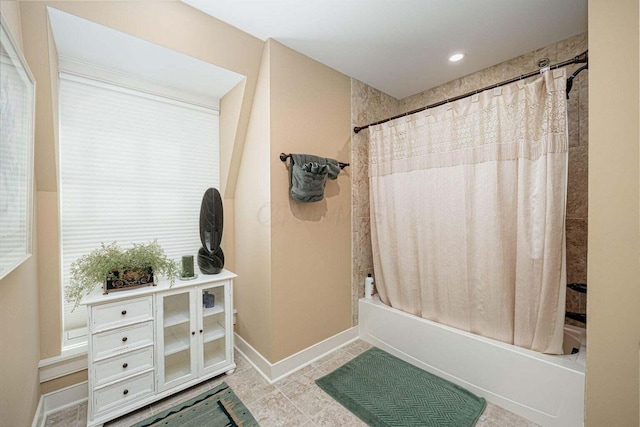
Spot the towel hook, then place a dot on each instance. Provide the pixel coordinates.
(284, 157)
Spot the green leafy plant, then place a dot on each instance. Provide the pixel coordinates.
(108, 261)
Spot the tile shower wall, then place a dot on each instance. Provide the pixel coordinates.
(369, 105)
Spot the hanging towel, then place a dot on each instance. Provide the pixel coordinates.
(308, 175)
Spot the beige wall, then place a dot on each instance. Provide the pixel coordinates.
(252, 288)
(293, 259)
(19, 388)
(230, 113)
(170, 24)
(230, 121)
(310, 243)
(614, 242)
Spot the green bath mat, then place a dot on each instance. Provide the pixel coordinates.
(383, 390)
(218, 407)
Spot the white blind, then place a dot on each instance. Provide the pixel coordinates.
(133, 168)
(16, 136)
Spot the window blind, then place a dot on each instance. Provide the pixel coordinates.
(16, 127)
(133, 168)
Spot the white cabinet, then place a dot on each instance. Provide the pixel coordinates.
(192, 337)
(176, 320)
(147, 343)
(121, 332)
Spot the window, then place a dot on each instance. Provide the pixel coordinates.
(133, 168)
(16, 155)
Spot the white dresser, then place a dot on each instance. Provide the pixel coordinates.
(147, 343)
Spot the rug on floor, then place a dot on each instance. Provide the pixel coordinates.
(218, 407)
(383, 390)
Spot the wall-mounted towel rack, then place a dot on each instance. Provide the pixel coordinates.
(578, 287)
(579, 317)
(284, 157)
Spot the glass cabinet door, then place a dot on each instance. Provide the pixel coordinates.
(176, 335)
(214, 349)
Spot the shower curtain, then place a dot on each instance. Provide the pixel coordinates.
(468, 212)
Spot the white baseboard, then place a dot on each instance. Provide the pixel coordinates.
(257, 360)
(59, 400)
(39, 418)
(272, 372)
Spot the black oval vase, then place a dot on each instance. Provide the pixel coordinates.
(210, 255)
(210, 263)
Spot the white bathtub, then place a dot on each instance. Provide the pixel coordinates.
(548, 390)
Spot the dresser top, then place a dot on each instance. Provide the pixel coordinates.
(97, 297)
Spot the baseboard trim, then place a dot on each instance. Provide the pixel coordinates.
(59, 400)
(253, 356)
(272, 372)
(39, 417)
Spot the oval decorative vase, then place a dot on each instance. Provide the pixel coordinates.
(210, 255)
(210, 263)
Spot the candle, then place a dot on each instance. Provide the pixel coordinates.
(187, 266)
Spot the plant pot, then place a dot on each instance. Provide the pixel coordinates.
(128, 279)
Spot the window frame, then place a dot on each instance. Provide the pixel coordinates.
(17, 59)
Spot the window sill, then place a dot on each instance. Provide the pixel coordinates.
(71, 360)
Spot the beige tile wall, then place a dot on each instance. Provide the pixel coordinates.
(369, 104)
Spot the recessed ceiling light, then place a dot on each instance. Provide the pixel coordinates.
(457, 57)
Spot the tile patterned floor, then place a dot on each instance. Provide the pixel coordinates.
(293, 401)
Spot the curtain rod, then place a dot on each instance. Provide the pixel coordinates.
(583, 58)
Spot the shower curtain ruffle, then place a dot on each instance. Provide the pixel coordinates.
(554, 143)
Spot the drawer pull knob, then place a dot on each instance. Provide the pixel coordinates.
(125, 365)
(124, 312)
(193, 333)
(125, 391)
(124, 339)
(200, 330)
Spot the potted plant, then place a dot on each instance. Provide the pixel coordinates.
(118, 269)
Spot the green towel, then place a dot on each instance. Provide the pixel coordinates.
(308, 176)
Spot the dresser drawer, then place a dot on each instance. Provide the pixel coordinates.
(122, 339)
(121, 313)
(123, 365)
(123, 392)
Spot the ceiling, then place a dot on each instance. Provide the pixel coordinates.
(402, 47)
(102, 48)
